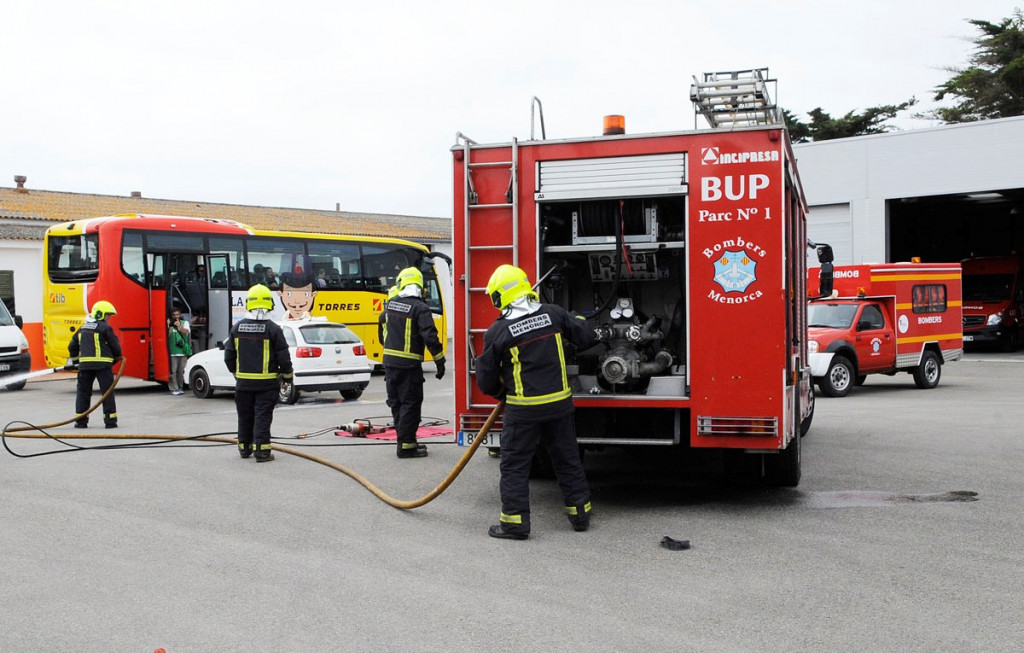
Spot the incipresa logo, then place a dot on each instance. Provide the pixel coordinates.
(713, 156)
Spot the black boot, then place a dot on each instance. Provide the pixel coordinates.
(110, 424)
(499, 531)
(411, 450)
(579, 516)
(244, 449)
(81, 424)
(263, 453)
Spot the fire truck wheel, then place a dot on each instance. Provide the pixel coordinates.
(926, 375)
(805, 423)
(783, 469)
(839, 378)
(1012, 342)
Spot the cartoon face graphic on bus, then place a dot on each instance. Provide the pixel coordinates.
(297, 294)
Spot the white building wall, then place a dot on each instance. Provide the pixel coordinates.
(866, 171)
(25, 257)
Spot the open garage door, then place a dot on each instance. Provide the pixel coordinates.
(955, 227)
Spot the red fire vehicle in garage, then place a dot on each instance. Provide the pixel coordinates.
(689, 246)
(883, 319)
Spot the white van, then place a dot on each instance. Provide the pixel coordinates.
(14, 354)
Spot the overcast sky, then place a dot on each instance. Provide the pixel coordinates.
(313, 103)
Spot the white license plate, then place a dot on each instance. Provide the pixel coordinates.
(466, 439)
(5, 367)
(968, 338)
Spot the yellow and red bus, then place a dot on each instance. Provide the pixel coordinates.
(149, 265)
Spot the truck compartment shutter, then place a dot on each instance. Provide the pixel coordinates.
(623, 176)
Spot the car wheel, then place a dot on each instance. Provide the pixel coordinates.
(926, 375)
(839, 378)
(288, 394)
(354, 393)
(15, 386)
(199, 381)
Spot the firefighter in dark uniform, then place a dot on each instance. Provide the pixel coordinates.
(257, 354)
(94, 348)
(523, 362)
(408, 330)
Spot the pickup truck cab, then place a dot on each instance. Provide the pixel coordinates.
(883, 319)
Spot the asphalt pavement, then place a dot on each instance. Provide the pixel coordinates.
(904, 534)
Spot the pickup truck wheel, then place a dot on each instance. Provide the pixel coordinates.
(839, 378)
(783, 469)
(926, 375)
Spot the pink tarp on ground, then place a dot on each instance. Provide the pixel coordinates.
(392, 435)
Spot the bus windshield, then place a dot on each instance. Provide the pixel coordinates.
(73, 258)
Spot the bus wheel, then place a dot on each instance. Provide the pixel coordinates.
(839, 378)
(926, 375)
(288, 394)
(200, 383)
(783, 469)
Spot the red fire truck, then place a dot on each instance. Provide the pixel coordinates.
(883, 319)
(689, 246)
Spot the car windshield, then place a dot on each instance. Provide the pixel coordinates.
(328, 334)
(832, 316)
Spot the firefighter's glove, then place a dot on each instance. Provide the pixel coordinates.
(71, 365)
(440, 369)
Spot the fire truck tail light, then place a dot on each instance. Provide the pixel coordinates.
(614, 125)
(308, 352)
(744, 426)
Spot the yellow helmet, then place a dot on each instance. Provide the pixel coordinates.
(392, 292)
(259, 296)
(407, 277)
(507, 284)
(102, 309)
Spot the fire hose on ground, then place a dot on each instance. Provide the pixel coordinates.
(23, 432)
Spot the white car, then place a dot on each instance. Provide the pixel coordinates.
(325, 356)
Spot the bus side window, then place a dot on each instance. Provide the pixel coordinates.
(219, 280)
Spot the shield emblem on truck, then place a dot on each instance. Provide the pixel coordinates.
(735, 270)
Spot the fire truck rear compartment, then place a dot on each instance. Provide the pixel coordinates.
(621, 264)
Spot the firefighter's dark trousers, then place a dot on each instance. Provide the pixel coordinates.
(519, 442)
(83, 394)
(255, 415)
(405, 397)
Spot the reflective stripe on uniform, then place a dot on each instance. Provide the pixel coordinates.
(511, 519)
(573, 511)
(403, 354)
(97, 349)
(519, 399)
(264, 372)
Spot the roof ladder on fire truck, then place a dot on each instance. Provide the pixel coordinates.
(474, 203)
(736, 98)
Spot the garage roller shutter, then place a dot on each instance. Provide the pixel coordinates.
(624, 176)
